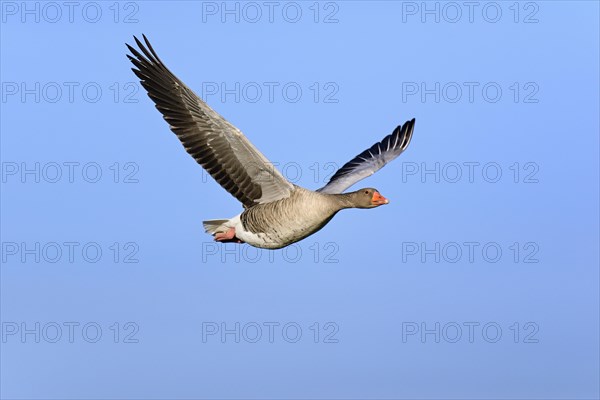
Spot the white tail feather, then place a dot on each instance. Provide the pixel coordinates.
(212, 225)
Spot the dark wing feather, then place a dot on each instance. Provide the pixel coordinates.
(215, 144)
(371, 160)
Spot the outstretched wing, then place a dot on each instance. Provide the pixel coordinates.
(215, 144)
(371, 160)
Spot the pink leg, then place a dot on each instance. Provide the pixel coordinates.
(228, 236)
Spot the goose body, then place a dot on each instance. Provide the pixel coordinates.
(276, 212)
(282, 222)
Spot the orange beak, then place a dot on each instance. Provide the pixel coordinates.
(378, 199)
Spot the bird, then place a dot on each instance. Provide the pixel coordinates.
(276, 213)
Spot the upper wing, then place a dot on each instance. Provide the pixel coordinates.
(218, 146)
(371, 160)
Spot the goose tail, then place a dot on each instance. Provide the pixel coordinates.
(212, 225)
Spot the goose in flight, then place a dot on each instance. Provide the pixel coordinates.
(276, 212)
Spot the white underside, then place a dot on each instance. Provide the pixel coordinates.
(254, 239)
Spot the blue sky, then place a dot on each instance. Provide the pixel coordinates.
(479, 279)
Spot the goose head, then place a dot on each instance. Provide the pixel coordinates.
(368, 198)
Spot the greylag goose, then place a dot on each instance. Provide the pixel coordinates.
(276, 212)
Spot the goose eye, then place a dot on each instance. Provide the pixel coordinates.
(366, 192)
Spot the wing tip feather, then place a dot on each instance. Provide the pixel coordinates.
(400, 138)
